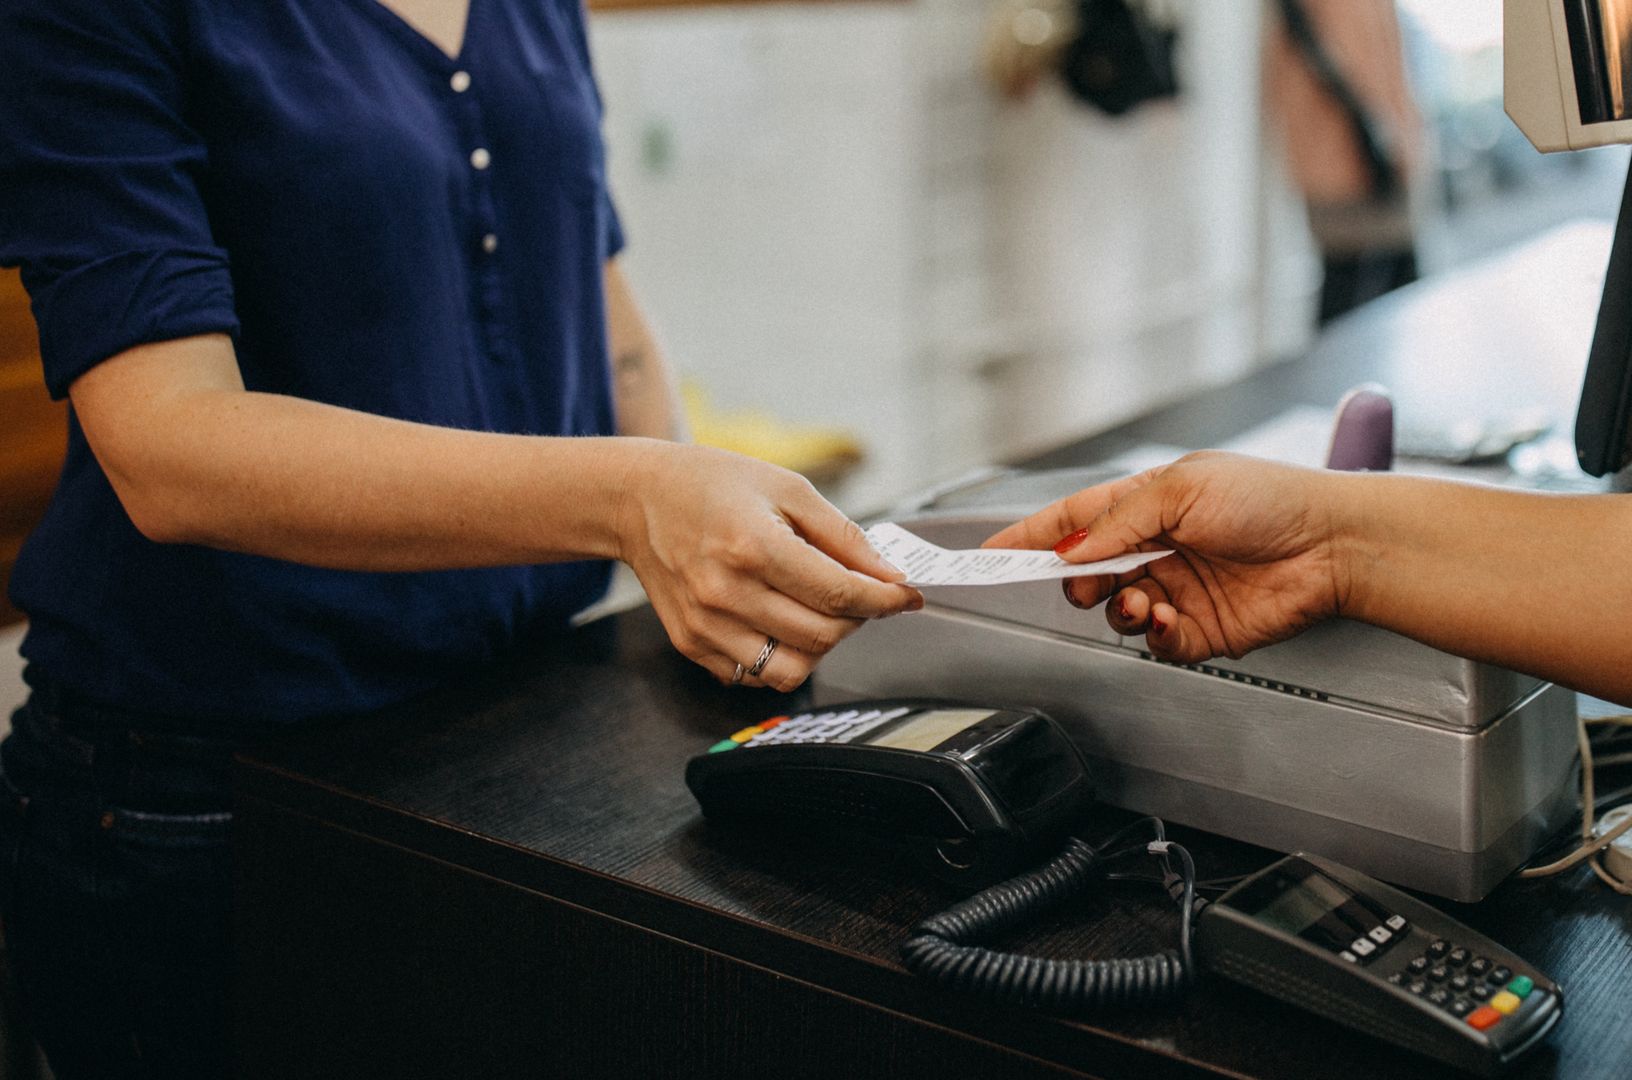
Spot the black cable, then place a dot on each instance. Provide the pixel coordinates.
(941, 947)
(1187, 906)
(1218, 884)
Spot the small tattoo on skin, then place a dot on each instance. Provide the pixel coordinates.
(631, 363)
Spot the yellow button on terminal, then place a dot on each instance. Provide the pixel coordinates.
(1505, 1003)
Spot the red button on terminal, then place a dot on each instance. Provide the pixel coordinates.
(766, 725)
(1483, 1017)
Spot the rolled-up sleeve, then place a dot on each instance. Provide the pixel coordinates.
(99, 181)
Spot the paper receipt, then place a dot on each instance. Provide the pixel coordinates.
(928, 564)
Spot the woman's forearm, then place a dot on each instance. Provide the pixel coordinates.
(311, 483)
(737, 556)
(196, 459)
(1539, 583)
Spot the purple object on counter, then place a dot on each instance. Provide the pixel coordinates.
(1363, 432)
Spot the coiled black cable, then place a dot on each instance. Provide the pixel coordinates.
(940, 948)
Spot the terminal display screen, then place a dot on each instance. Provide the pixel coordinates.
(1304, 904)
(1600, 36)
(930, 729)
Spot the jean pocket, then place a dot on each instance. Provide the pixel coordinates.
(175, 867)
(146, 829)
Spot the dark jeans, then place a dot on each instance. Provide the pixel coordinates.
(115, 889)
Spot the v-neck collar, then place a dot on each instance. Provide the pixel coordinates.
(417, 42)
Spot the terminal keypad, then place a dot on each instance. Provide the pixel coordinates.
(1474, 989)
(845, 725)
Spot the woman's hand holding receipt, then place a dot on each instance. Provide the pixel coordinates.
(733, 551)
(1254, 562)
(1533, 582)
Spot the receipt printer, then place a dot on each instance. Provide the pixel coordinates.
(1349, 741)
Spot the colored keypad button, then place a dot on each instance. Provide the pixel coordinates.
(775, 721)
(724, 744)
(1504, 1003)
(744, 735)
(1521, 986)
(1483, 1017)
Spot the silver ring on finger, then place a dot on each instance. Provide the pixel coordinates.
(764, 658)
(736, 680)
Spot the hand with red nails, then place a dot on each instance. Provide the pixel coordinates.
(1253, 558)
(1262, 551)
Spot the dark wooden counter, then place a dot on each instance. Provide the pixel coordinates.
(509, 878)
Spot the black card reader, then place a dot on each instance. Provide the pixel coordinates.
(974, 792)
(1338, 943)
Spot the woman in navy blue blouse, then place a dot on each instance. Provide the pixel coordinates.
(330, 287)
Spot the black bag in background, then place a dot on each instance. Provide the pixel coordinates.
(1119, 59)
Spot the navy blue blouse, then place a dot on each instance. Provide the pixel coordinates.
(378, 226)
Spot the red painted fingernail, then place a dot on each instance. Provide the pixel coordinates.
(1157, 626)
(1122, 611)
(1070, 542)
(1065, 587)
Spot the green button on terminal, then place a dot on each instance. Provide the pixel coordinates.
(1521, 986)
(724, 744)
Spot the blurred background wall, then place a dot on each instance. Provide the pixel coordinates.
(832, 216)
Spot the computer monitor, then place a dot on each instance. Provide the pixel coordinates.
(1603, 436)
(1567, 84)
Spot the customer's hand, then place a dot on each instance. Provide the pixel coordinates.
(732, 551)
(1255, 560)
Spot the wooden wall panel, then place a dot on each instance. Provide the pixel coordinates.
(33, 431)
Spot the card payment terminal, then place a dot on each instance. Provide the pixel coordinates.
(978, 793)
(974, 793)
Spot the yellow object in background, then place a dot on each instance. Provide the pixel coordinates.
(822, 454)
